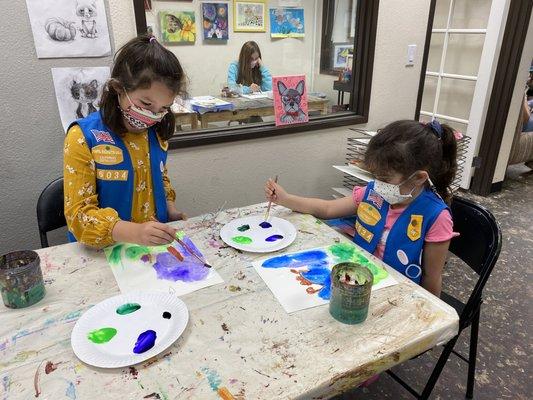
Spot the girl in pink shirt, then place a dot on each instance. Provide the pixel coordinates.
(402, 216)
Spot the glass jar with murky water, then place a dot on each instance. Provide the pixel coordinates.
(21, 279)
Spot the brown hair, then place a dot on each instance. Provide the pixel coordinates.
(407, 146)
(137, 64)
(248, 75)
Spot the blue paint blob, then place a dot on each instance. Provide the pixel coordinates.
(265, 225)
(320, 276)
(145, 341)
(273, 238)
(310, 259)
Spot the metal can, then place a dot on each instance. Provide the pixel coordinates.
(21, 279)
(351, 285)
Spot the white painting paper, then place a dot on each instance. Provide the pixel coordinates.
(69, 28)
(78, 91)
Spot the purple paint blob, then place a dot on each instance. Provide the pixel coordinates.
(145, 258)
(265, 225)
(145, 341)
(190, 269)
(273, 238)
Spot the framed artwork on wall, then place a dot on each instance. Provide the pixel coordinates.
(249, 16)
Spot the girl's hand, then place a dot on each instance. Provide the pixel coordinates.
(255, 88)
(174, 214)
(259, 62)
(275, 192)
(153, 233)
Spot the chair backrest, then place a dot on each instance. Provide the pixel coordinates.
(50, 209)
(478, 244)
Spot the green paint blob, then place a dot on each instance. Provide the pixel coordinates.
(128, 308)
(343, 251)
(102, 335)
(158, 249)
(379, 273)
(243, 228)
(242, 239)
(136, 252)
(180, 235)
(114, 257)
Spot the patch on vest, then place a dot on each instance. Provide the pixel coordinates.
(107, 155)
(414, 229)
(112, 174)
(368, 214)
(364, 233)
(102, 136)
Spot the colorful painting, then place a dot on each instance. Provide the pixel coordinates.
(302, 280)
(290, 100)
(287, 22)
(215, 21)
(341, 54)
(69, 28)
(172, 268)
(249, 16)
(177, 26)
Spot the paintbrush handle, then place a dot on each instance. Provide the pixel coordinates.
(267, 214)
(186, 247)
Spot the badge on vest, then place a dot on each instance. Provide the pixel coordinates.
(368, 214)
(107, 155)
(112, 175)
(364, 233)
(414, 229)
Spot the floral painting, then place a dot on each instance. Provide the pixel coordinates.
(287, 22)
(249, 16)
(215, 21)
(177, 26)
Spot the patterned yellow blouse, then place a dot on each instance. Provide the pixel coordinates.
(93, 225)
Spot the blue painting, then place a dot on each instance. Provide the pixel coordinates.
(287, 22)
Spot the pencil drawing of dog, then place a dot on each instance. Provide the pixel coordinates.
(291, 99)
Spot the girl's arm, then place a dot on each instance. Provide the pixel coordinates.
(233, 72)
(266, 79)
(433, 260)
(323, 209)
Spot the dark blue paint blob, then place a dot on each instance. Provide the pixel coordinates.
(310, 259)
(320, 276)
(167, 315)
(265, 225)
(145, 341)
(273, 238)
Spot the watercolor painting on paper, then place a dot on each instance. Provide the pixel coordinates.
(302, 280)
(215, 21)
(249, 16)
(159, 268)
(177, 26)
(287, 22)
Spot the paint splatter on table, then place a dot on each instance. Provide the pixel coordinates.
(264, 353)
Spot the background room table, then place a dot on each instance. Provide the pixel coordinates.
(239, 342)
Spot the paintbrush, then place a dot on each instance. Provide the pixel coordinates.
(185, 246)
(267, 214)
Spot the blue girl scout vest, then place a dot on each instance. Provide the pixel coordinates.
(405, 241)
(114, 170)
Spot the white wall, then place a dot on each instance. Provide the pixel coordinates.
(206, 176)
(515, 107)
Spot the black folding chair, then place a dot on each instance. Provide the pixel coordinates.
(478, 246)
(50, 210)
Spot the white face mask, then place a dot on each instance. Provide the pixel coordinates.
(391, 193)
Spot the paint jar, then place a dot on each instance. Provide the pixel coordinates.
(351, 285)
(21, 279)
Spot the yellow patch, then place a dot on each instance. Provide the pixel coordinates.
(368, 214)
(414, 229)
(162, 143)
(112, 174)
(107, 154)
(364, 233)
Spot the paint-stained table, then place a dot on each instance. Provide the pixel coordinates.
(239, 340)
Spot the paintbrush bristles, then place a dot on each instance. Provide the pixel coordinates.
(267, 214)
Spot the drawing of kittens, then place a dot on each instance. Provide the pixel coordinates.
(86, 9)
(84, 94)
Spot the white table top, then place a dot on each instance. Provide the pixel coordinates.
(238, 337)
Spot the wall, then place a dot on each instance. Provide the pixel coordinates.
(514, 108)
(205, 177)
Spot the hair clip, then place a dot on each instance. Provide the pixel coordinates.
(153, 39)
(436, 127)
(457, 135)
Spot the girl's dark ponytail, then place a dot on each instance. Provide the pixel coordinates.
(445, 174)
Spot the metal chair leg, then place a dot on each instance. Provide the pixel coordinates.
(438, 368)
(474, 330)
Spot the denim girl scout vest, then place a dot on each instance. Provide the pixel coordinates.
(405, 241)
(114, 170)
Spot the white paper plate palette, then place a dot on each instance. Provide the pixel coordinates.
(256, 235)
(128, 329)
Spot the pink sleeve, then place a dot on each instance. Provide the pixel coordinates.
(358, 194)
(442, 229)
